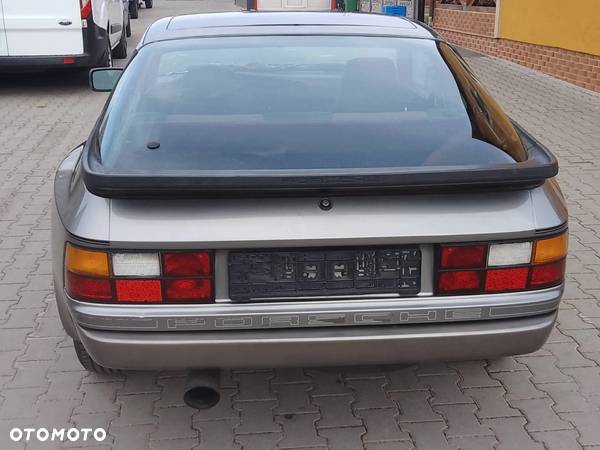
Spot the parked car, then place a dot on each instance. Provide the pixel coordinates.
(38, 34)
(303, 189)
(134, 6)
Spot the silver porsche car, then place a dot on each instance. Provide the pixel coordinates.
(276, 189)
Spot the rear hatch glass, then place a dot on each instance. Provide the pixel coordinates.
(299, 106)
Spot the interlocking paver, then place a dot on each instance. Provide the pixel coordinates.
(566, 397)
(257, 417)
(99, 397)
(427, 435)
(131, 437)
(491, 402)
(61, 386)
(540, 415)
(414, 406)
(218, 434)
(327, 382)
(370, 393)
(511, 434)
(19, 403)
(381, 425)
(544, 369)
(254, 386)
(558, 440)
(336, 411)
(473, 374)
(473, 442)
(445, 389)
(257, 441)
(518, 385)
(587, 424)
(391, 445)
(462, 421)
(174, 423)
(42, 117)
(293, 398)
(299, 430)
(136, 409)
(404, 379)
(344, 438)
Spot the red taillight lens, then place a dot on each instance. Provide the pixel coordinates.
(463, 257)
(189, 289)
(86, 8)
(138, 291)
(547, 275)
(502, 280)
(460, 281)
(502, 266)
(88, 288)
(186, 264)
(138, 277)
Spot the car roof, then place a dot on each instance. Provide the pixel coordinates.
(273, 23)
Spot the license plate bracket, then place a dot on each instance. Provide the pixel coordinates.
(300, 273)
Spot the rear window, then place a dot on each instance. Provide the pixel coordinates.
(301, 103)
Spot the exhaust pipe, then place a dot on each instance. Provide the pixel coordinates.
(202, 389)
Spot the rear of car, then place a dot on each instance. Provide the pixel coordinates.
(291, 194)
(39, 34)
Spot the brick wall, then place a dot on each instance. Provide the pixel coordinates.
(581, 69)
(475, 31)
(469, 22)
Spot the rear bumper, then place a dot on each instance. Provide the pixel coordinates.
(33, 63)
(317, 347)
(94, 48)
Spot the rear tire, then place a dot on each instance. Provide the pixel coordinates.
(134, 9)
(149, 3)
(88, 363)
(128, 29)
(120, 50)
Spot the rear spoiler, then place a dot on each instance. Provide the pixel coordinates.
(540, 165)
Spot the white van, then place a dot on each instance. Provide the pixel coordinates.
(38, 34)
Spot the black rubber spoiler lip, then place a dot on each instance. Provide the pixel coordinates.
(540, 166)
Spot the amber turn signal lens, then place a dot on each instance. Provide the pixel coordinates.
(552, 249)
(86, 262)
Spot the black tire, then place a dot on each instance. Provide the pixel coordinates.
(134, 9)
(149, 3)
(128, 28)
(88, 363)
(120, 51)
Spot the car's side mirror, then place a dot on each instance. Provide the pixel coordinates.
(104, 79)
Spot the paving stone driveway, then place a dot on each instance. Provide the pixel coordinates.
(550, 399)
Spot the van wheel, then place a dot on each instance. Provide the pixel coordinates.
(120, 50)
(128, 29)
(133, 9)
(149, 3)
(88, 363)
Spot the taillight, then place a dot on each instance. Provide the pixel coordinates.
(144, 277)
(86, 8)
(501, 267)
(463, 257)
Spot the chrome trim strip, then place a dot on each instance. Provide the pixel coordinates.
(355, 312)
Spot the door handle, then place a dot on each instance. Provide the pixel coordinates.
(65, 22)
